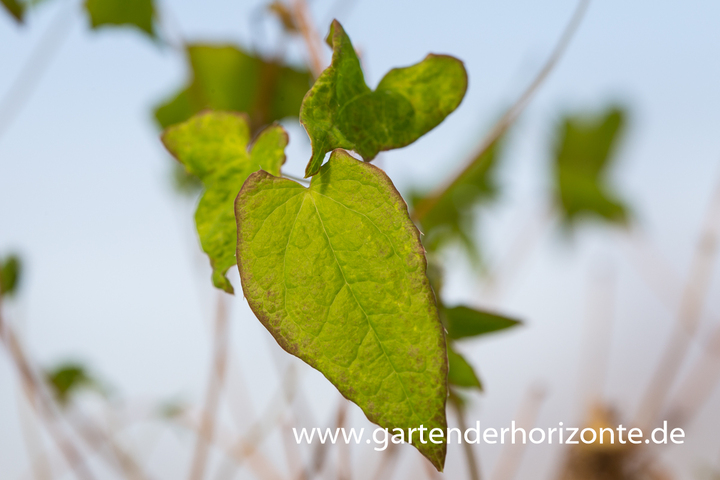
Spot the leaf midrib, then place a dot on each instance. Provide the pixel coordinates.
(367, 317)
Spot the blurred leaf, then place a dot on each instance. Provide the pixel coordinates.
(584, 153)
(227, 78)
(213, 146)
(283, 13)
(15, 9)
(336, 273)
(462, 322)
(9, 275)
(460, 372)
(173, 409)
(341, 111)
(452, 218)
(68, 378)
(136, 13)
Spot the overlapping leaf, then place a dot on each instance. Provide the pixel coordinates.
(135, 13)
(15, 8)
(9, 275)
(214, 147)
(224, 77)
(584, 153)
(336, 273)
(341, 111)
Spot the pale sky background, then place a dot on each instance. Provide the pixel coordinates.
(114, 276)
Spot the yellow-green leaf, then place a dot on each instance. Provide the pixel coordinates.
(341, 111)
(214, 147)
(336, 273)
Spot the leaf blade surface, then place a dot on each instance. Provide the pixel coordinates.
(336, 273)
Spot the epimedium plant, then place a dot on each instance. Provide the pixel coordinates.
(336, 271)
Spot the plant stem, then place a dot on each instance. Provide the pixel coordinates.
(212, 395)
(507, 464)
(472, 462)
(510, 116)
(691, 304)
(41, 401)
(309, 33)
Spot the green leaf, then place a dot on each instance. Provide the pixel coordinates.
(336, 273)
(15, 9)
(9, 275)
(460, 372)
(584, 153)
(227, 78)
(341, 111)
(464, 322)
(452, 218)
(213, 146)
(68, 378)
(136, 13)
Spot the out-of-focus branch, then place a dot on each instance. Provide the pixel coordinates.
(41, 401)
(691, 304)
(37, 63)
(212, 395)
(472, 462)
(510, 116)
(507, 465)
(313, 42)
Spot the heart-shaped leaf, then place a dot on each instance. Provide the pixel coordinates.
(214, 147)
(336, 273)
(341, 111)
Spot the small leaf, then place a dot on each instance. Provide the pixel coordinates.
(336, 273)
(464, 322)
(68, 378)
(9, 275)
(136, 13)
(452, 218)
(341, 111)
(460, 372)
(227, 78)
(213, 146)
(584, 153)
(15, 8)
